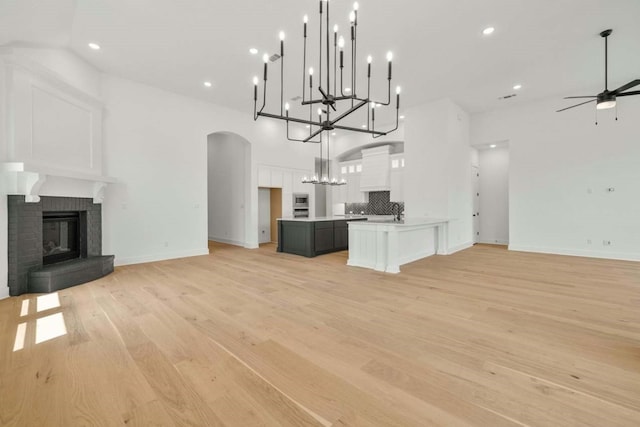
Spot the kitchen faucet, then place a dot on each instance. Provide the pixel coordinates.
(394, 207)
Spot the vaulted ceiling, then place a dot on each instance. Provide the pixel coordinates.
(551, 47)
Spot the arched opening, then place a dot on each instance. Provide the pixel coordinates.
(229, 189)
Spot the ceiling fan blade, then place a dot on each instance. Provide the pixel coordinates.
(625, 87)
(578, 97)
(635, 92)
(577, 105)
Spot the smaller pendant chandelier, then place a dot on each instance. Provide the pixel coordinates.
(335, 99)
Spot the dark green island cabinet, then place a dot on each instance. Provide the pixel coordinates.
(311, 237)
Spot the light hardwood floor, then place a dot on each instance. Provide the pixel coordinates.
(485, 337)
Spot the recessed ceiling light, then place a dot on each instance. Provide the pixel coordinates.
(401, 117)
(517, 87)
(253, 51)
(492, 146)
(94, 46)
(488, 30)
(347, 89)
(207, 84)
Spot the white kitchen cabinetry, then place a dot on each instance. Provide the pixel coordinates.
(375, 169)
(269, 177)
(397, 178)
(350, 193)
(397, 186)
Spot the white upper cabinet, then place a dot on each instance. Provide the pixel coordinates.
(351, 192)
(397, 178)
(375, 169)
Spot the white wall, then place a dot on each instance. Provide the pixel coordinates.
(156, 146)
(67, 66)
(264, 215)
(438, 168)
(228, 155)
(494, 195)
(561, 165)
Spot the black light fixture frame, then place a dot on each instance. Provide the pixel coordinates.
(327, 99)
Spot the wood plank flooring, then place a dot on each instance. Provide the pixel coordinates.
(484, 337)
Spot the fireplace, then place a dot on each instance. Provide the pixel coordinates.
(60, 236)
(54, 243)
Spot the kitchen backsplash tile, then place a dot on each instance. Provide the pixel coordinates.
(379, 204)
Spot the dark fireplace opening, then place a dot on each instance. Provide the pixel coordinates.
(60, 237)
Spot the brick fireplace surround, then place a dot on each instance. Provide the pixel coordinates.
(26, 272)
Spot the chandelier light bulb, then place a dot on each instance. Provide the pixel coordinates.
(281, 35)
(286, 106)
(335, 28)
(398, 90)
(389, 56)
(265, 58)
(373, 105)
(255, 80)
(356, 6)
(311, 71)
(305, 19)
(369, 59)
(319, 111)
(341, 42)
(352, 16)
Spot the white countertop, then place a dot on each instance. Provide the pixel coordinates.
(407, 222)
(325, 218)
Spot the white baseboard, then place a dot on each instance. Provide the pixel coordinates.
(227, 241)
(4, 293)
(453, 249)
(577, 252)
(160, 257)
(493, 242)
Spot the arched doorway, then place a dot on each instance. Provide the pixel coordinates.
(229, 189)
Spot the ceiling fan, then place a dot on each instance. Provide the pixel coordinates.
(607, 98)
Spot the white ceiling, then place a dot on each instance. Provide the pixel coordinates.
(551, 47)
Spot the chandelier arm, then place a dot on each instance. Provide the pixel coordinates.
(328, 54)
(313, 101)
(326, 97)
(281, 79)
(291, 119)
(304, 62)
(341, 83)
(335, 62)
(388, 96)
(318, 132)
(294, 139)
(320, 39)
(359, 130)
(349, 111)
(355, 52)
(353, 62)
(395, 128)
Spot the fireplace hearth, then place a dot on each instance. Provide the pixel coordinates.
(54, 243)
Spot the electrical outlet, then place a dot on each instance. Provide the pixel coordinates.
(606, 242)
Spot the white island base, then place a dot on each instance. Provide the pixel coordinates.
(386, 245)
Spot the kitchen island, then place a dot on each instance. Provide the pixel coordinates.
(314, 236)
(386, 245)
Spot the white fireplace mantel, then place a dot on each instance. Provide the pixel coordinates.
(28, 178)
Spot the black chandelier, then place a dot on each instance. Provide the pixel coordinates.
(327, 99)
